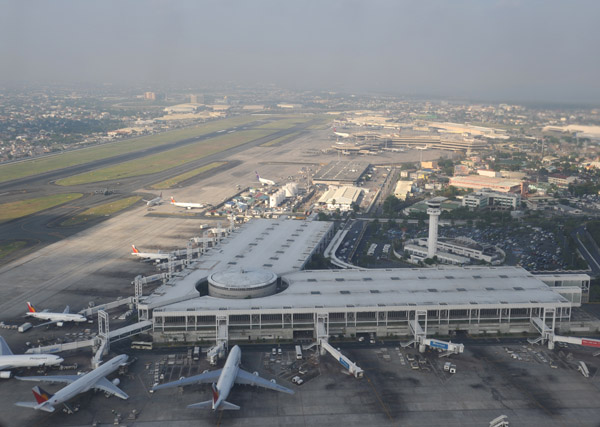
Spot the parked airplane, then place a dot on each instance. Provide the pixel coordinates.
(341, 134)
(264, 181)
(149, 255)
(156, 201)
(9, 360)
(76, 384)
(225, 378)
(185, 204)
(58, 318)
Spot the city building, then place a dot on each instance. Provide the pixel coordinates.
(342, 198)
(403, 189)
(479, 182)
(492, 199)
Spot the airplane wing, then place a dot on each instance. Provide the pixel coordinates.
(4, 348)
(68, 379)
(108, 387)
(244, 377)
(3, 367)
(208, 377)
(50, 322)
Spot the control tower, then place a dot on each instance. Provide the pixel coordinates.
(434, 211)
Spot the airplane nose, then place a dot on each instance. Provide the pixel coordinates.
(60, 360)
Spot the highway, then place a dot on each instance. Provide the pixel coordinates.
(590, 251)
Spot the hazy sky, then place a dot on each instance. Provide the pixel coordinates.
(515, 50)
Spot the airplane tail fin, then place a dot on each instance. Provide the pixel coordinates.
(67, 310)
(135, 250)
(228, 406)
(215, 392)
(257, 175)
(41, 395)
(202, 405)
(30, 307)
(208, 404)
(160, 195)
(172, 199)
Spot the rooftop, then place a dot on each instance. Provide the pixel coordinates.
(281, 246)
(399, 288)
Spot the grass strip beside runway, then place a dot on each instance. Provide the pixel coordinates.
(8, 248)
(281, 138)
(21, 208)
(105, 209)
(31, 167)
(172, 182)
(167, 159)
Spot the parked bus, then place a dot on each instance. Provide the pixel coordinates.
(141, 345)
(299, 352)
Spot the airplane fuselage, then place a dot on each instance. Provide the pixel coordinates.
(28, 361)
(86, 382)
(58, 317)
(228, 375)
(186, 205)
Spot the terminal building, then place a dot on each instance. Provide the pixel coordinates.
(253, 285)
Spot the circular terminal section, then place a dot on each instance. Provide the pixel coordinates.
(246, 283)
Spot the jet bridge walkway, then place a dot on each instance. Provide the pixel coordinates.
(113, 336)
(420, 337)
(322, 327)
(548, 336)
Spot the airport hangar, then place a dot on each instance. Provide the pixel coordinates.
(252, 286)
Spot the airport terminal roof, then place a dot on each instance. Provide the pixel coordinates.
(341, 172)
(341, 196)
(396, 289)
(281, 246)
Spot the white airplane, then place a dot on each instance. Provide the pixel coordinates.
(341, 134)
(156, 201)
(185, 204)
(264, 181)
(149, 255)
(225, 378)
(9, 360)
(58, 318)
(76, 384)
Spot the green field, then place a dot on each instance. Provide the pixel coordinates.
(285, 123)
(171, 182)
(100, 211)
(8, 248)
(281, 138)
(167, 159)
(23, 208)
(37, 166)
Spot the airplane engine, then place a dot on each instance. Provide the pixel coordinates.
(116, 381)
(60, 323)
(5, 374)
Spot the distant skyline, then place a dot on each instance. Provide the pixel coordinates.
(521, 51)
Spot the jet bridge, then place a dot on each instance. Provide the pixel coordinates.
(547, 332)
(322, 327)
(420, 337)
